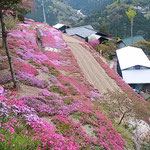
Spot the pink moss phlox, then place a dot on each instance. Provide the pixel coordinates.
(44, 68)
(79, 87)
(96, 96)
(48, 94)
(84, 45)
(93, 43)
(47, 38)
(31, 80)
(43, 131)
(24, 67)
(53, 79)
(51, 105)
(52, 55)
(51, 140)
(57, 62)
(8, 12)
(18, 108)
(108, 136)
(1, 90)
(29, 20)
(10, 126)
(54, 39)
(74, 130)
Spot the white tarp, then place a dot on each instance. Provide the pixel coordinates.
(93, 37)
(132, 56)
(58, 26)
(136, 76)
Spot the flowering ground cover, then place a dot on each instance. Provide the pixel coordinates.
(21, 128)
(65, 97)
(125, 87)
(140, 105)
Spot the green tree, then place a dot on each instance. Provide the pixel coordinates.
(102, 28)
(131, 14)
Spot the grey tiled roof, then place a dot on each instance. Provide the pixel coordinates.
(82, 31)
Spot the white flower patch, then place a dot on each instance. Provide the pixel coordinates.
(52, 49)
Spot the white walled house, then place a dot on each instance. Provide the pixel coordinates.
(134, 66)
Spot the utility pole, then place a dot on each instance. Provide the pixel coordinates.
(43, 11)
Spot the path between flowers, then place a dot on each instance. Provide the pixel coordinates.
(94, 73)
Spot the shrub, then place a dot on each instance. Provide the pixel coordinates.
(107, 57)
(17, 140)
(57, 89)
(5, 77)
(21, 17)
(72, 90)
(107, 48)
(76, 115)
(68, 100)
(53, 71)
(145, 45)
(10, 22)
(126, 135)
(148, 99)
(145, 146)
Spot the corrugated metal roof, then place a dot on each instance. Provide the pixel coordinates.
(136, 76)
(82, 31)
(132, 56)
(128, 41)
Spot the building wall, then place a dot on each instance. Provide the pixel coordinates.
(121, 45)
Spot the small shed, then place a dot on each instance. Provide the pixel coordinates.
(100, 36)
(61, 27)
(134, 65)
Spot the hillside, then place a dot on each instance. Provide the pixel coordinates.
(66, 10)
(56, 11)
(114, 19)
(102, 14)
(67, 97)
(51, 87)
(89, 6)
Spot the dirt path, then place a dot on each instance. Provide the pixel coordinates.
(94, 73)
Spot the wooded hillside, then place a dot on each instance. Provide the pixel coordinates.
(114, 18)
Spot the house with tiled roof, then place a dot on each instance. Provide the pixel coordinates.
(130, 41)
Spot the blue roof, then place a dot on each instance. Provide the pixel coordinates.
(128, 41)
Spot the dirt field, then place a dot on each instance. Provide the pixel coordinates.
(94, 73)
